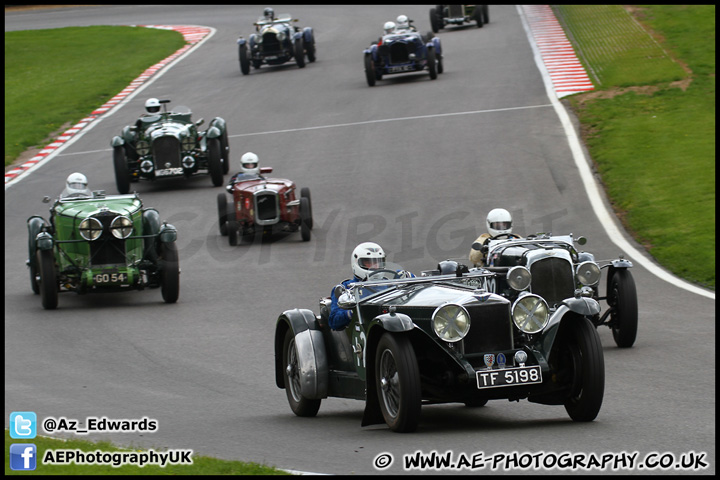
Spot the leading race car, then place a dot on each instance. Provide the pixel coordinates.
(169, 144)
(403, 51)
(276, 41)
(101, 243)
(558, 269)
(263, 205)
(442, 15)
(439, 340)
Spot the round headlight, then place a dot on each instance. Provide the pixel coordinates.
(588, 273)
(188, 143)
(258, 39)
(519, 278)
(146, 166)
(451, 322)
(121, 227)
(281, 36)
(530, 313)
(143, 148)
(90, 229)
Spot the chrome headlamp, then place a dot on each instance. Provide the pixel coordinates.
(530, 313)
(143, 148)
(121, 227)
(451, 322)
(281, 36)
(90, 229)
(588, 273)
(518, 278)
(188, 143)
(188, 162)
(146, 166)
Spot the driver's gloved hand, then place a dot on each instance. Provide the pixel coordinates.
(477, 246)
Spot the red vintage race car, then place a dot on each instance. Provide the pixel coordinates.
(266, 205)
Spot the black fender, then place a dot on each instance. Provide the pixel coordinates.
(569, 310)
(308, 36)
(312, 355)
(617, 264)
(150, 226)
(241, 41)
(218, 122)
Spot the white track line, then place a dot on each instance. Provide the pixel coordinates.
(607, 219)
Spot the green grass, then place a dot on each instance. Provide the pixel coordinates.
(59, 76)
(652, 141)
(201, 465)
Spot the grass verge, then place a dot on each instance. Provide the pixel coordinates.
(650, 124)
(201, 466)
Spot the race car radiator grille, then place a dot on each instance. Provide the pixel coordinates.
(270, 43)
(553, 279)
(166, 151)
(266, 208)
(490, 329)
(399, 52)
(455, 11)
(107, 250)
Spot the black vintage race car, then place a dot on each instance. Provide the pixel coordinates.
(558, 270)
(275, 42)
(442, 15)
(403, 51)
(440, 339)
(169, 144)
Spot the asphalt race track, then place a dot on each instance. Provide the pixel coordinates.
(411, 163)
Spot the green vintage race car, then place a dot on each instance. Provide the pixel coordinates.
(101, 243)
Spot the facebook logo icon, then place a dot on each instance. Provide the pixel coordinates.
(23, 456)
(23, 425)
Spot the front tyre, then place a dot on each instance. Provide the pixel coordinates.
(432, 63)
(397, 379)
(305, 219)
(244, 60)
(122, 173)
(301, 406)
(48, 279)
(582, 355)
(300, 53)
(222, 213)
(622, 298)
(215, 161)
(169, 273)
(232, 229)
(370, 70)
(305, 192)
(225, 151)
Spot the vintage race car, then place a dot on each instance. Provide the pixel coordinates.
(443, 15)
(264, 205)
(276, 42)
(558, 270)
(169, 144)
(101, 243)
(439, 339)
(402, 52)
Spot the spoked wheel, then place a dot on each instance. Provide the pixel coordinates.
(222, 213)
(301, 406)
(48, 279)
(622, 298)
(397, 379)
(169, 273)
(581, 359)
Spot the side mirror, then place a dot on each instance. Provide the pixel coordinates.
(46, 199)
(264, 170)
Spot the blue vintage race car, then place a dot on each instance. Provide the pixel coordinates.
(403, 51)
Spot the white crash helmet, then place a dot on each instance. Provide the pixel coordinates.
(249, 163)
(366, 257)
(269, 14)
(152, 105)
(402, 21)
(389, 27)
(76, 184)
(499, 221)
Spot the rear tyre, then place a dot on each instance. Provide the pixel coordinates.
(301, 406)
(622, 298)
(215, 161)
(486, 15)
(370, 69)
(582, 356)
(300, 53)
(122, 174)
(48, 279)
(434, 20)
(397, 380)
(244, 60)
(305, 218)
(478, 16)
(222, 213)
(169, 273)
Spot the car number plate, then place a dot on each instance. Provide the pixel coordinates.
(508, 377)
(110, 278)
(168, 171)
(271, 57)
(404, 68)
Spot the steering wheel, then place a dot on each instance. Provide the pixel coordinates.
(383, 274)
(505, 235)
